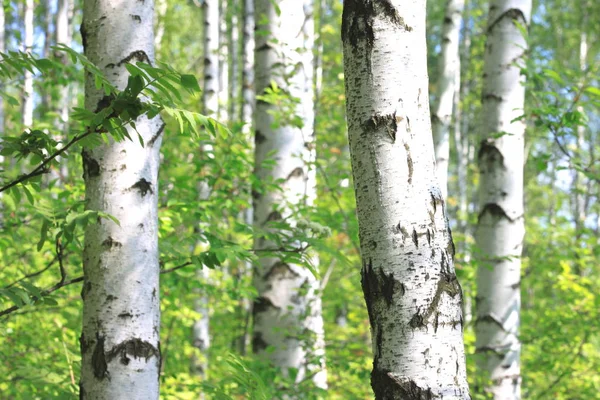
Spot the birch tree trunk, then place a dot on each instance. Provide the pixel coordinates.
(580, 209)
(210, 94)
(121, 316)
(63, 35)
(248, 100)
(28, 81)
(500, 227)
(408, 278)
(2, 50)
(233, 37)
(223, 62)
(210, 107)
(449, 67)
(288, 307)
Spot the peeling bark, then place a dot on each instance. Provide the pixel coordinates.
(412, 295)
(500, 227)
(121, 315)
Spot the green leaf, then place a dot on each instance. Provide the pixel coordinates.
(190, 82)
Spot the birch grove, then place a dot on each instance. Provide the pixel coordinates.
(121, 315)
(408, 278)
(288, 306)
(500, 226)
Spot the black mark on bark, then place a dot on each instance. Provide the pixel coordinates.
(296, 173)
(99, 364)
(259, 138)
(136, 348)
(136, 18)
(415, 237)
(258, 343)
(274, 216)
(110, 243)
(409, 161)
(143, 186)
(157, 135)
(91, 168)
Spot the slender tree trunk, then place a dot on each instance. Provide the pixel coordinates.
(121, 315)
(500, 227)
(233, 37)
(449, 67)
(64, 35)
(223, 62)
(580, 210)
(2, 50)
(28, 81)
(210, 106)
(247, 110)
(288, 307)
(408, 278)
(161, 12)
(210, 94)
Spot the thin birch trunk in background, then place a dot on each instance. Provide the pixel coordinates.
(2, 50)
(233, 37)
(121, 314)
(246, 112)
(288, 307)
(412, 294)
(248, 100)
(223, 51)
(449, 67)
(63, 35)
(500, 226)
(580, 209)
(461, 143)
(210, 107)
(27, 118)
(161, 12)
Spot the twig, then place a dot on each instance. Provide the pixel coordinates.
(43, 167)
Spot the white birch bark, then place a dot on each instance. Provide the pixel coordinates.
(500, 227)
(121, 315)
(210, 106)
(580, 198)
(288, 304)
(161, 12)
(27, 117)
(210, 94)
(449, 66)
(63, 35)
(408, 277)
(2, 50)
(248, 100)
(234, 64)
(223, 63)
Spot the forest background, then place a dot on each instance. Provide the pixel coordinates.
(41, 304)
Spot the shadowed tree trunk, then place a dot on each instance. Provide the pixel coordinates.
(288, 325)
(121, 315)
(408, 278)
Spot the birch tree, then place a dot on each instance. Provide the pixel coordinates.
(27, 118)
(210, 107)
(500, 227)
(288, 304)
(449, 68)
(121, 315)
(412, 294)
(247, 109)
